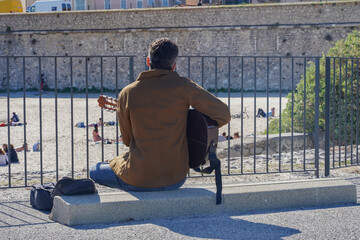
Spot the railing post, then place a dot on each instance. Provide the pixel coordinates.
(72, 115)
(24, 117)
(56, 121)
(327, 117)
(316, 140)
(145, 65)
(40, 122)
(131, 69)
(8, 117)
(87, 115)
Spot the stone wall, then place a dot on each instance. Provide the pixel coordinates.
(307, 29)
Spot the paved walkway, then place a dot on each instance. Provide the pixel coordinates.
(19, 221)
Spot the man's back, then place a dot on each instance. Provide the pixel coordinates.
(152, 115)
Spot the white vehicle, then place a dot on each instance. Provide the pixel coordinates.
(50, 6)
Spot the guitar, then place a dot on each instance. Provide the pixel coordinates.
(201, 131)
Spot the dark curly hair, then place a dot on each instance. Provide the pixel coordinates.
(163, 53)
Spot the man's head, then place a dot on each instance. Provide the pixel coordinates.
(162, 54)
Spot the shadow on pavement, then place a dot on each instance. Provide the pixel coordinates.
(214, 227)
(225, 227)
(20, 213)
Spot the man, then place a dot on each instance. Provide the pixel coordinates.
(15, 118)
(152, 113)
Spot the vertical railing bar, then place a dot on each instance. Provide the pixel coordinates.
(292, 114)
(202, 71)
(56, 122)
(146, 66)
(116, 96)
(280, 110)
(229, 62)
(346, 106)
(242, 115)
(72, 116)
(304, 116)
(8, 118)
(24, 114)
(351, 112)
(317, 90)
(188, 67)
(216, 77)
(202, 85)
(340, 113)
(254, 114)
(102, 110)
(87, 115)
(267, 119)
(40, 118)
(357, 111)
(131, 73)
(333, 112)
(327, 117)
(189, 175)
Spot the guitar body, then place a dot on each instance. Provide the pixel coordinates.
(201, 131)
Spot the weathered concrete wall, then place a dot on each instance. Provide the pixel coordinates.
(279, 30)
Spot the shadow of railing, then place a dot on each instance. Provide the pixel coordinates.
(18, 214)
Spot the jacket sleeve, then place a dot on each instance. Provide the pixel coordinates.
(206, 103)
(124, 118)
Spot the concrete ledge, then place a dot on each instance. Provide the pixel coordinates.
(121, 206)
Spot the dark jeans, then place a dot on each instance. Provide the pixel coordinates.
(102, 174)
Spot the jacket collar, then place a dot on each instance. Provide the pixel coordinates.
(154, 73)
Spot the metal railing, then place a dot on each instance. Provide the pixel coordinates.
(312, 128)
(342, 81)
(33, 79)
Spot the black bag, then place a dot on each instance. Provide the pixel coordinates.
(40, 196)
(70, 186)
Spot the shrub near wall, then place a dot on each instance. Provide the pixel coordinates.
(344, 95)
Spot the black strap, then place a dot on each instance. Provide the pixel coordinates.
(214, 165)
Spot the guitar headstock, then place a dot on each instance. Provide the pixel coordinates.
(107, 103)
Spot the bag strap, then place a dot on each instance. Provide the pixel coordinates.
(215, 164)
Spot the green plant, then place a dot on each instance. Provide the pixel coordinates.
(344, 94)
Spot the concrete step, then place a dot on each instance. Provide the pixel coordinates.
(122, 206)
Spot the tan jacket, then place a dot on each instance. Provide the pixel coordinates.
(152, 113)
